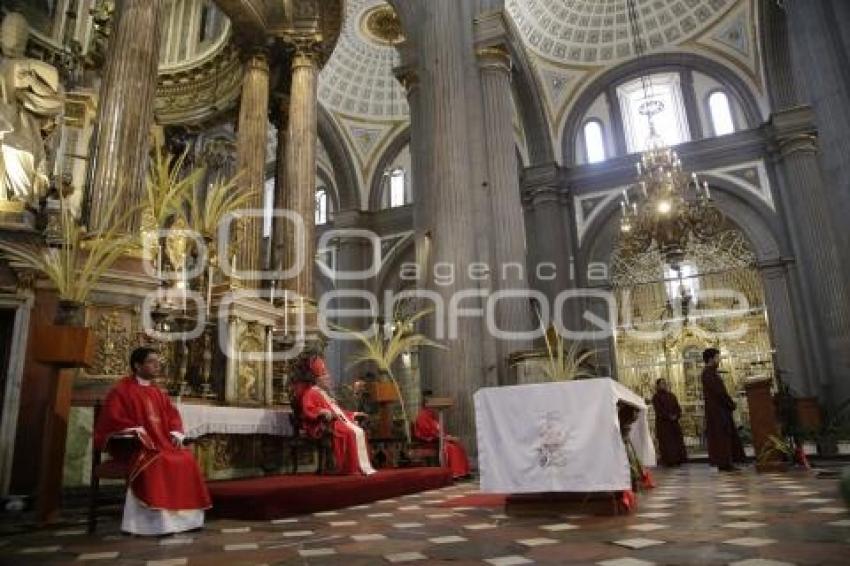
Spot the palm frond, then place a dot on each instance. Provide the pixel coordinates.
(384, 352)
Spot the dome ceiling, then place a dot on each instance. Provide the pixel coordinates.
(358, 80)
(596, 32)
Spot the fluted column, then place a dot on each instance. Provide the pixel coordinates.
(816, 255)
(506, 206)
(784, 325)
(124, 115)
(299, 194)
(251, 156)
(449, 207)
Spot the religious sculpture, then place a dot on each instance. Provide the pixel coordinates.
(30, 101)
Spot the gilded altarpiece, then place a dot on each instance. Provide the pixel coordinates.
(667, 318)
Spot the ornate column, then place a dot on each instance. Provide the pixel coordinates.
(813, 242)
(251, 139)
(819, 275)
(784, 328)
(300, 163)
(450, 209)
(506, 206)
(124, 115)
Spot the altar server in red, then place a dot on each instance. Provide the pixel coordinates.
(167, 493)
(426, 428)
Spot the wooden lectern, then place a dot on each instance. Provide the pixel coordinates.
(440, 404)
(763, 423)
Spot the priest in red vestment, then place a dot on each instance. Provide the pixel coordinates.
(724, 444)
(426, 428)
(166, 493)
(320, 411)
(671, 444)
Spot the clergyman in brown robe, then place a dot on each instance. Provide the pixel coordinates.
(724, 444)
(671, 444)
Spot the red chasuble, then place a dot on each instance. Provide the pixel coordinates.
(349, 457)
(427, 429)
(162, 476)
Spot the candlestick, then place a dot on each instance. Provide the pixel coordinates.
(643, 187)
(271, 292)
(626, 196)
(159, 261)
(285, 312)
(707, 191)
(185, 286)
(209, 290)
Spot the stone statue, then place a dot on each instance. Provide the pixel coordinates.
(31, 99)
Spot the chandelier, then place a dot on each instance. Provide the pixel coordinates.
(668, 206)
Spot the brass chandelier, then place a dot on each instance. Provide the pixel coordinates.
(668, 207)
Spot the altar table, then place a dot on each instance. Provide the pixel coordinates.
(558, 437)
(199, 420)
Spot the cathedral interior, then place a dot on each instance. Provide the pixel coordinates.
(493, 186)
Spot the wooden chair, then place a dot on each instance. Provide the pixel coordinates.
(117, 467)
(421, 453)
(323, 446)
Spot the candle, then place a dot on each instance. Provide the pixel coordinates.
(185, 286)
(271, 292)
(707, 191)
(159, 261)
(285, 312)
(643, 187)
(626, 196)
(637, 166)
(634, 207)
(209, 290)
(623, 207)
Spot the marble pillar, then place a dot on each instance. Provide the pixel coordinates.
(124, 116)
(300, 191)
(512, 315)
(251, 140)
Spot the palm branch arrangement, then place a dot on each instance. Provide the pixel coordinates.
(564, 364)
(75, 266)
(171, 193)
(383, 352)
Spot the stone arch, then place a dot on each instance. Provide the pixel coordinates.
(347, 185)
(393, 149)
(657, 63)
(529, 102)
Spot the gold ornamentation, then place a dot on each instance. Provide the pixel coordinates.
(114, 342)
(382, 25)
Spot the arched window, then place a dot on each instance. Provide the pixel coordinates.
(321, 205)
(594, 142)
(721, 113)
(661, 96)
(397, 178)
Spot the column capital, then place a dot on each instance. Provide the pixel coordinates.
(496, 58)
(307, 50)
(254, 54)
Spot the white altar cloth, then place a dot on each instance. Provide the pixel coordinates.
(550, 437)
(199, 420)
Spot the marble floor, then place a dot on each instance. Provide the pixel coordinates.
(694, 516)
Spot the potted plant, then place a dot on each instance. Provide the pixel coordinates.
(383, 352)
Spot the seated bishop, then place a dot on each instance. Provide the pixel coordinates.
(320, 410)
(166, 492)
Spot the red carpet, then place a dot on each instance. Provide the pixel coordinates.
(273, 497)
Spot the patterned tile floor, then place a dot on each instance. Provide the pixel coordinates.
(695, 516)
